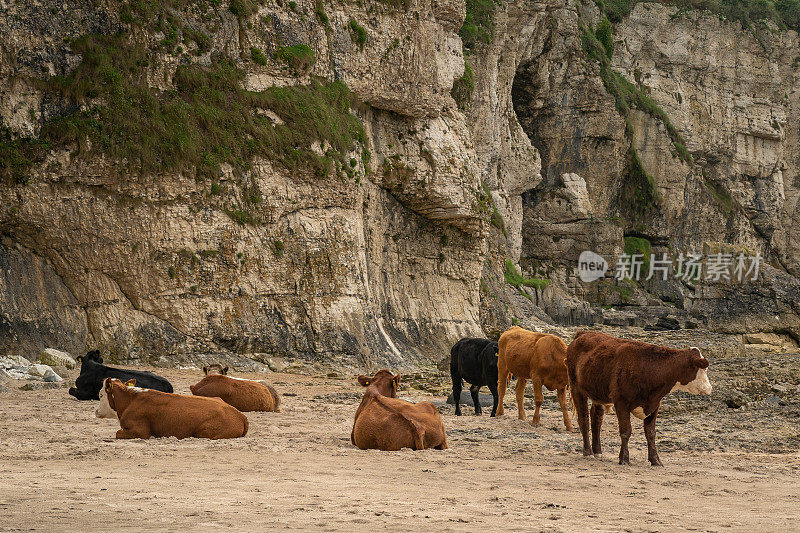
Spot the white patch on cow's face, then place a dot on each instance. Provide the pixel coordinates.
(639, 413)
(104, 410)
(700, 384)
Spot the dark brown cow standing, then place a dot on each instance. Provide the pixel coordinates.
(632, 376)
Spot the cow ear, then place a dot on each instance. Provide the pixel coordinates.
(396, 381)
(79, 359)
(205, 370)
(701, 363)
(364, 380)
(107, 383)
(131, 382)
(225, 371)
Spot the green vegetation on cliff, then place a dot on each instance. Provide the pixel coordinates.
(638, 197)
(463, 88)
(639, 245)
(357, 33)
(297, 56)
(515, 278)
(627, 95)
(784, 13)
(478, 23)
(205, 121)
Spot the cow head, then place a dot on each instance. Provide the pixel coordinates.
(216, 368)
(93, 355)
(384, 381)
(694, 378)
(107, 407)
(105, 410)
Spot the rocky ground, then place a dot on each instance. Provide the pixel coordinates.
(731, 461)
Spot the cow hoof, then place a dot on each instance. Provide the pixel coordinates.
(458, 413)
(598, 455)
(656, 463)
(626, 462)
(587, 453)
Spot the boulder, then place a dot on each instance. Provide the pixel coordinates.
(39, 385)
(53, 357)
(664, 324)
(44, 372)
(736, 399)
(16, 362)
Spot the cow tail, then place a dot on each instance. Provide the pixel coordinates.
(246, 425)
(276, 398)
(572, 403)
(417, 431)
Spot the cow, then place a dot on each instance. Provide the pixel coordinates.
(145, 413)
(633, 377)
(93, 372)
(540, 357)
(474, 361)
(384, 422)
(244, 394)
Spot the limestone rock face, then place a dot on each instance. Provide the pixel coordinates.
(729, 96)
(378, 271)
(415, 247)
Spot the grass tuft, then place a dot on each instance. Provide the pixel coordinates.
(205, 121)
(298, 56)
(463, 88)
(515, 278)
(357, 33)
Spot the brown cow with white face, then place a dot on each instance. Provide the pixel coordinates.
(244, 394)
(535, 356)
(632, 376)
(384, 422)
(145, 413)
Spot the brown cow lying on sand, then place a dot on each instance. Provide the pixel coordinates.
(145, 413)
(243, 394)
(384, 422)
(632, 376)
(540, 357)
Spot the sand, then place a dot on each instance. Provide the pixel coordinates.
(62, 470)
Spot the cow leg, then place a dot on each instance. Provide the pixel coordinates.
(473, 390)
(597, 413)
(562, 400)
(457, 385)
(495, 397)
(582, 413)
(624, 417)
(538, 399)
(502, 383)
(650, 434)
(521, 382)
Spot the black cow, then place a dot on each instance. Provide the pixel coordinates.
(93, 372)
(475, 361)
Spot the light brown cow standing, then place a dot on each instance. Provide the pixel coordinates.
(145, 413)
(540, 357)
(384, 422)
(244, 394)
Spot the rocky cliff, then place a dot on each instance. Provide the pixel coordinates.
(326, 181)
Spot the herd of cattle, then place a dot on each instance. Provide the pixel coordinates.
(630, 376)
